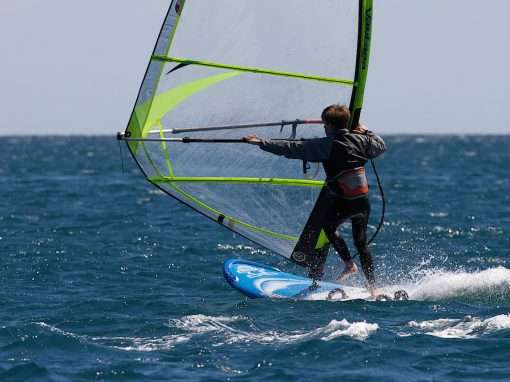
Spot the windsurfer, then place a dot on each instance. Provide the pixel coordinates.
(343, 154)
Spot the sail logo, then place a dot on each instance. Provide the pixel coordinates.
(367, 37)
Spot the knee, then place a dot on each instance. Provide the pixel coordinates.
(330, 233)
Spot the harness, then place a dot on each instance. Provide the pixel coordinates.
(352, 184)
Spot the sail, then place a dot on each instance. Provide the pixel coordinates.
(222, 69)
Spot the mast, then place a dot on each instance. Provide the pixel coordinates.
(313, 246)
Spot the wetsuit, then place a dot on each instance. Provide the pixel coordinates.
(343, 157)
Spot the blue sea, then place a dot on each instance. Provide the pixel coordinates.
(105, 278)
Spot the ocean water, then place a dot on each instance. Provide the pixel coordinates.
(104, 278)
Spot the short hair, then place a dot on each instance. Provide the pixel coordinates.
(337, 116)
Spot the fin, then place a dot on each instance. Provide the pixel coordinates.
(401, 295)
(332, 294)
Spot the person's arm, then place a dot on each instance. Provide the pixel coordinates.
(312, 150)
(374, 146)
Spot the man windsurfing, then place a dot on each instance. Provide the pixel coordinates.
(343, 154)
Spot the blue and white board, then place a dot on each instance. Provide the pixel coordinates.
(257, 280)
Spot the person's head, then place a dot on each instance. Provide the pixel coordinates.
(335, 117)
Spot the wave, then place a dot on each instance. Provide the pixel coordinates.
(230, 335)
(356, 330)
(141, 344)
(490, 285)
(220, 331)
(25, 371)
(468, 327)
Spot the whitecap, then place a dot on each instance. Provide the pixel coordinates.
(142, 344)
(438, 214)
(356, 330)
(227, 334)
(200, 323)
(442, 284)
(54, 329)
(468, 327)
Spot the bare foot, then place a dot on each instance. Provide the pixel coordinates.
(349, 270)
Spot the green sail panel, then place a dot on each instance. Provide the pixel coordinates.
(223, 62)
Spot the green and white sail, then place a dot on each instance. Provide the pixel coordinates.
(247, 62)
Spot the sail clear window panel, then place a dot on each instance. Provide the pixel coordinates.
(150, 83)
(302, 36)
(166, 31)
(247, 98)
(266, 211)
(222, 160)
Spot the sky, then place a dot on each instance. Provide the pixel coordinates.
(74, 67)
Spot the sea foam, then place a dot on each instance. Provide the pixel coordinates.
(468, 327)
(228, 334)
(493, 283)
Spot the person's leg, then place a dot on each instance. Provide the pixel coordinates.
(341, 248)
(338, 242)
(337, 214)
(359, 235)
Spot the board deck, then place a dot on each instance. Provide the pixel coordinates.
(257, 280)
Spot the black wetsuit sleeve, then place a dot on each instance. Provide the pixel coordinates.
(311, 150)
